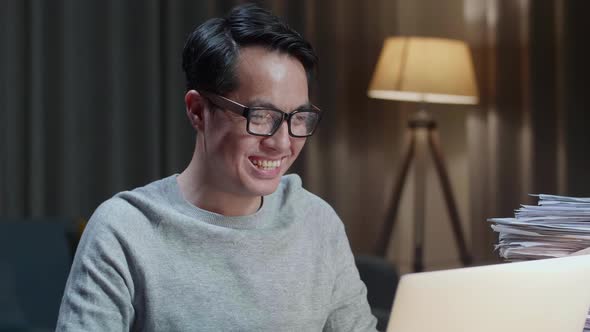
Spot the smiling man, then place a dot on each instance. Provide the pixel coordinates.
(230, 244)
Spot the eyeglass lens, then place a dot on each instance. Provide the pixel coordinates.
(264, 122)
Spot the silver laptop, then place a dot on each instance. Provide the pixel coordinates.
(550, 295)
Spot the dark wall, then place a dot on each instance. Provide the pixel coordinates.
(577, 95)
(559, 71)
(545, 94)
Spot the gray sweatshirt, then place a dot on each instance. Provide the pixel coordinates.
(150, 261)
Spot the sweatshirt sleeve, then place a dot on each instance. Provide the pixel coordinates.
(99, 291)
(350, 309)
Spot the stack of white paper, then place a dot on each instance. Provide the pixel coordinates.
(558, 226)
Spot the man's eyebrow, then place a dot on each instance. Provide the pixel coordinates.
(305, 106)
(263, 103)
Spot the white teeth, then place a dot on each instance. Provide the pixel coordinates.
(266, 164)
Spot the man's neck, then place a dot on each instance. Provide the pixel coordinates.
(197, 191)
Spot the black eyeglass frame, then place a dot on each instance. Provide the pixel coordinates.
(235, 107)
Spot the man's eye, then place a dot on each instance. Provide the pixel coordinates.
(300, 117)
(260, 117)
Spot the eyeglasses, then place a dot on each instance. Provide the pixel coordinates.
(265, 121)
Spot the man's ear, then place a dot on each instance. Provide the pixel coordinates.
(195, 109)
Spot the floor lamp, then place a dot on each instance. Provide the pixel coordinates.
(424, 70)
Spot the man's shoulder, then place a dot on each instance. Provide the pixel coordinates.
(155, 190)
(134, 205)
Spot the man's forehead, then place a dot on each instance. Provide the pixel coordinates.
(253, 60)
(273, 79)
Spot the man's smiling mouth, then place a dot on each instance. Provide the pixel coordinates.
(265, 164)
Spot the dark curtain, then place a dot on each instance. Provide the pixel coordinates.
(88, 103)
(92, 102)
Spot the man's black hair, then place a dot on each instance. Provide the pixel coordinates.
(211, 51)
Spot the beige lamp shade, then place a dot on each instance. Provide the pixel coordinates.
(431, 70)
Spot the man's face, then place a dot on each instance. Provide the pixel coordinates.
(249, 165)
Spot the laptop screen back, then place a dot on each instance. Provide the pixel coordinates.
(545, 295)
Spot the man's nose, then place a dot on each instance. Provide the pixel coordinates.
(281, 139)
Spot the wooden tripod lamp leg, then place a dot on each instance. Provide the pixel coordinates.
(437, 155)
(387, 233)
(419, 198)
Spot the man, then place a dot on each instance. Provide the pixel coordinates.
(230, 244)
